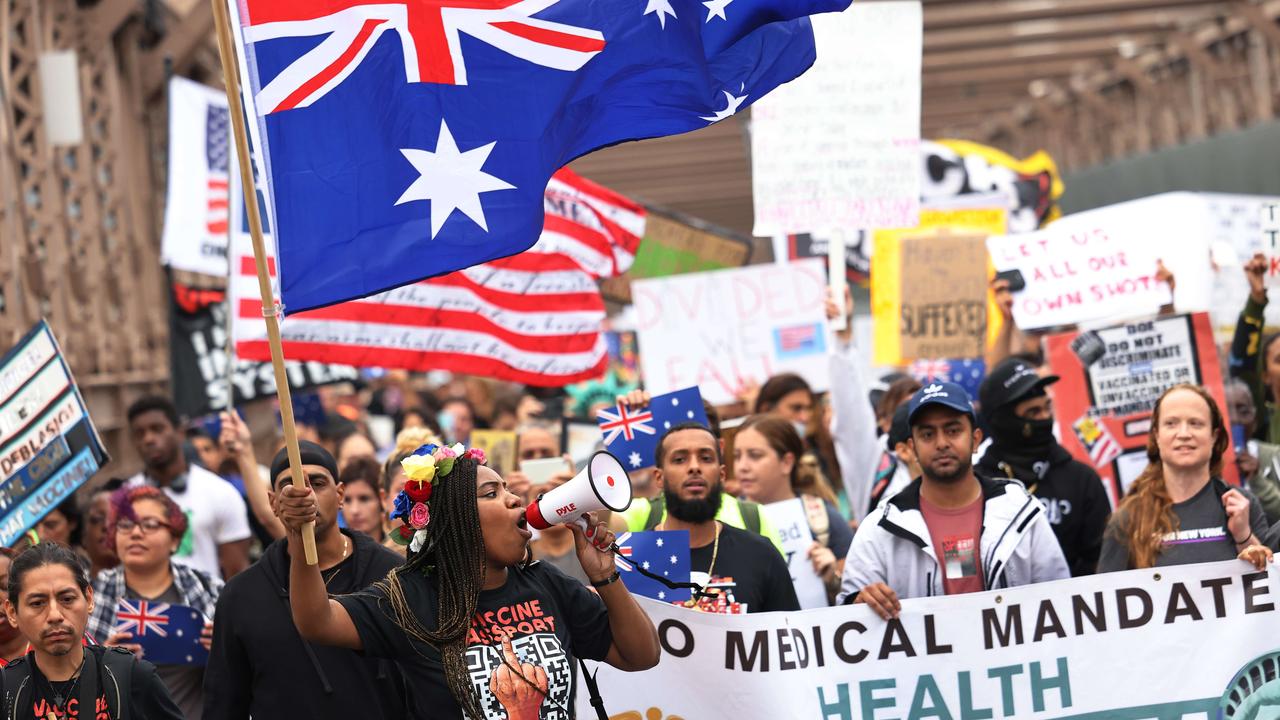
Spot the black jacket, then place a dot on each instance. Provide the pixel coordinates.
(130, 686)
(1074, 499)
(260, 666)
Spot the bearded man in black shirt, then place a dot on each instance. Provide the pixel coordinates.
(743, 570)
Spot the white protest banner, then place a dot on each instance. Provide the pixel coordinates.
(1179, 643)
(48, 445)
(839, 147)
(789, 518)
(1083, 269)
(195, 212)
(725, 329)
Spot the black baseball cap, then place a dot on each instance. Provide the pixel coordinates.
(1011, 381)
(949, 395)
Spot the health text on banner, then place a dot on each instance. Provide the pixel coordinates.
(1180, 643)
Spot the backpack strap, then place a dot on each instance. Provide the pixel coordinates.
(657, 508)
(750, 516)
(118, 665)
(819, 524)
(17, 678)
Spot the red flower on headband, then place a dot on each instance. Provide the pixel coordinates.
(418, 491)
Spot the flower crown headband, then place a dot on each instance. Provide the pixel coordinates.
(427, 466)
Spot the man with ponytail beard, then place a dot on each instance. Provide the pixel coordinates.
(1179, 511)
(1019, 413)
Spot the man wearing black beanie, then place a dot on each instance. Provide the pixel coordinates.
(1019, 413)
(257, 653)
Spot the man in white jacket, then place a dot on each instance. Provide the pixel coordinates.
(950, 531)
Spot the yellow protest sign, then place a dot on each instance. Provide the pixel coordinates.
(941, 267)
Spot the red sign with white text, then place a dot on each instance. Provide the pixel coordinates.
(1110, 381)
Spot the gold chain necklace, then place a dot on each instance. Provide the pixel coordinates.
(346, 550)
(715, 553)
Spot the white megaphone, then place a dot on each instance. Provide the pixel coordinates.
(603, 483)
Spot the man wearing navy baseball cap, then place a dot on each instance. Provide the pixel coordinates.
(1019, 412)
(951, 530)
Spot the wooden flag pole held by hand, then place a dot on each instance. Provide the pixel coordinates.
(232, 79)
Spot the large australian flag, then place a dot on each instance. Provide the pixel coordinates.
(407, 139)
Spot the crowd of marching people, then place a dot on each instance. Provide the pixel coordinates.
(910, 489)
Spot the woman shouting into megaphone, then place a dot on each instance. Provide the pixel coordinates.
(477, 627)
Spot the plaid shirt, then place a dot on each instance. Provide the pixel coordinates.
(197, 589)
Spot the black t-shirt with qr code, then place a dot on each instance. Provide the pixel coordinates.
(552, 620)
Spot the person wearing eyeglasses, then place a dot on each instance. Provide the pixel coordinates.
(145, 527)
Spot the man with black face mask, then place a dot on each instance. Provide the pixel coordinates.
(741, 568)
(1019, 414)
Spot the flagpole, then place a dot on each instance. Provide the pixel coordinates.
(231, 78)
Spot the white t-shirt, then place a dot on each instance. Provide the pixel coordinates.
(216, 514)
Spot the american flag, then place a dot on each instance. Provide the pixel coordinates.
(533, 318)
(1097, 440)
(216, 153)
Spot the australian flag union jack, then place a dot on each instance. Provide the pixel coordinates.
(407, 139)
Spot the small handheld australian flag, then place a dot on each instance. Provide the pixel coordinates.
(632, 434)
(661, 552)
(169, 634)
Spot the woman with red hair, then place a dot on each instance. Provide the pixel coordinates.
(1179, 510)
(146, 527)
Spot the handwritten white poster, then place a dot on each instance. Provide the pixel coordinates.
(789, 518)
(839, 147)
(726, 329)
(1085, 268)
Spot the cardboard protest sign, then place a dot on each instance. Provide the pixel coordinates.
(929, 298)
(789, 518)
(839, 150)
(722, 330)
(1083, 269)
(200, 162)
(48, 444)
(674, 247)
(1191, 642)
(1110, 381)
(499, 447)
(198, 356)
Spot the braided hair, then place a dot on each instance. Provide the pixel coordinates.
(454, 553)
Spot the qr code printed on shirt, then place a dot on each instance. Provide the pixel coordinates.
(543, 649)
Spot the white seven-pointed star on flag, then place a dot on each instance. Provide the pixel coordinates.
(659, 542)
(451, 180)
(715, 8)
(734, 102)
(673, 560)
(662, 8)
(634, 459)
